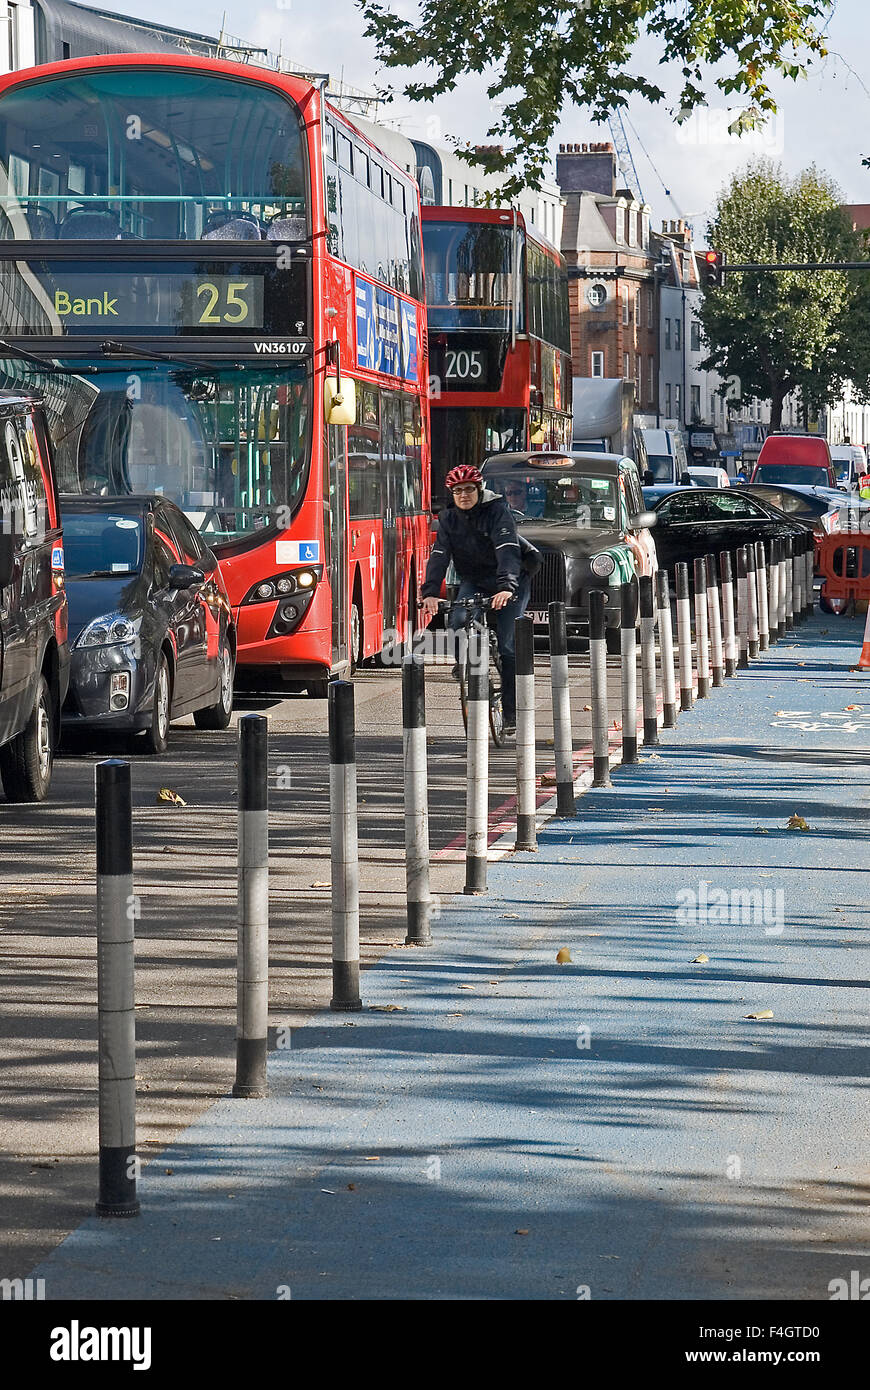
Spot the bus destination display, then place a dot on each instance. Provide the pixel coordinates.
(53, 299)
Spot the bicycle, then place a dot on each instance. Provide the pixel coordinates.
(474, 627)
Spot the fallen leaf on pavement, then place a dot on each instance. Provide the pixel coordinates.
(797, 822)
(761, 1013)
(321, 884)
(521, 1231)
(166, 794)
(387, 1008)
(701, 959)
(468, 986)
(563, 956)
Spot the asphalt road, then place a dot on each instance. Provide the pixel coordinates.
(185, 877)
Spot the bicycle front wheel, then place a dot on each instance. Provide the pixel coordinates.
(496, 708)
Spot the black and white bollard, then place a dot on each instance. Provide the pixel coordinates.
(562, 745)
(344, 848)
(751, 602)
(702, 642)
(116, 914)
(524, 643)
(666, 648)
(761, 589)
(773, 591)
(416, 780)
(628, 648)
(648, 659)
(742, 610)
(783, 588)
(810, 563)
(598, 682)
(797, 581)
(714, 621)
(729, 623)
(477, 786)
(684, 635)
(789, 585)
(252, 960)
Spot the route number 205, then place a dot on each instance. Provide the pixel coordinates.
(463, 365)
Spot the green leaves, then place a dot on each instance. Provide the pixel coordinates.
(544, 52)
(778, 330)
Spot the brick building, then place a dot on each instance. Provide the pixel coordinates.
(606, 234)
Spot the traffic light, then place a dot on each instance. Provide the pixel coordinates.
(715, 263)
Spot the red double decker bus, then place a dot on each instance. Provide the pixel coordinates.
(499, 338)
(216, 282)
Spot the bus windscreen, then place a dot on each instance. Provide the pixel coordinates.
(128, 153)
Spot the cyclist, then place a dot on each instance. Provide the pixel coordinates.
(477, 532)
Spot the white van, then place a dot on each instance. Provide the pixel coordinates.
(850, 461)
(662, 453)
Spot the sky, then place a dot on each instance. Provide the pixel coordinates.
(824, 120)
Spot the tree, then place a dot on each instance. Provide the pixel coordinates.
(781, 330)
(540, 54)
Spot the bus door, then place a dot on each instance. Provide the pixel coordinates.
(335, 537)
(392, 454)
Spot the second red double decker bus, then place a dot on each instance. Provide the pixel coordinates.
(216, 283)
(499, 338)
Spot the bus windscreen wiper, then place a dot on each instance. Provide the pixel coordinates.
(44, 363)
(112, 348)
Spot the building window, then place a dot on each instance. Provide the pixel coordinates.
(652, 381)
(713, 404)
(678, 402)
(650, 321)
(597, 364)
(638, 373)
(637, 309)
(696, 403)
(678, 323)
(667, 333)
(668, 399)
(632, 227)
(620, 224)
(626, 308)
(695, 336)
(596, 295)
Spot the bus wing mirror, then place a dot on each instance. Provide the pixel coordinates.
(339, 405)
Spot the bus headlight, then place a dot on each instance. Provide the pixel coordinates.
(305, 579)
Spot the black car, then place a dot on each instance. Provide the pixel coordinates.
(691, 522)
(151, 628)
(34, 653)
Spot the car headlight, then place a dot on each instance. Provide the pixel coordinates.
(111, 630)
(603, 565)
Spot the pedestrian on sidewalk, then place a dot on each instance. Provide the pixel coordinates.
(477, 532)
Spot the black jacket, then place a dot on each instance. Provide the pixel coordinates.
(482, 543)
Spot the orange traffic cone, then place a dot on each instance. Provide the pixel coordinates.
(864, 658)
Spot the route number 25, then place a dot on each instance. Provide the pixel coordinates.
(235, 307)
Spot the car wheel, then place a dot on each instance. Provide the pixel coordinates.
(218, 716)
(318, 690)
(26, 762)
(157, 736)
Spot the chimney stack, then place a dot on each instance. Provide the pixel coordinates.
(587, 168)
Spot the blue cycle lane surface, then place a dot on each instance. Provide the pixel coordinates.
(497, 1125)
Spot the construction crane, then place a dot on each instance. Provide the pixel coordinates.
(623, 150)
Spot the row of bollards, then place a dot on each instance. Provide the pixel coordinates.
(774, 591)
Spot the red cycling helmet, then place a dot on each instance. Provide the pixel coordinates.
(463, 473)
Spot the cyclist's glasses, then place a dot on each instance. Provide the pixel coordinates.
(472, 487)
